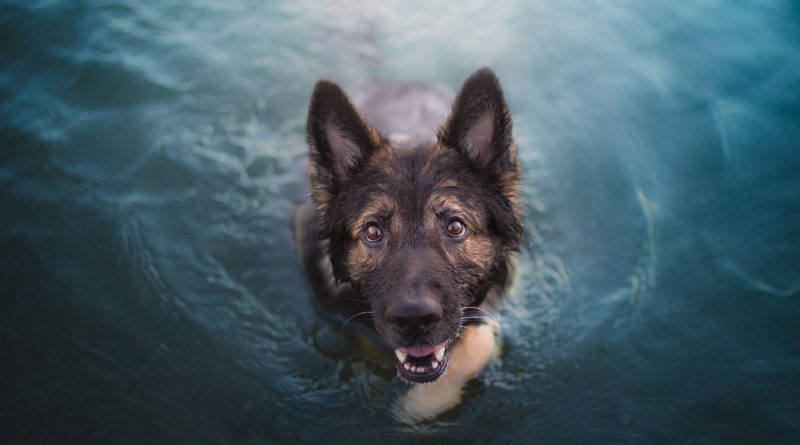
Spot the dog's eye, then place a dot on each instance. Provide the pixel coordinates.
(373, 232)
(456, 228)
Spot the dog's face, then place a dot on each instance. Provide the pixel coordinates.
(422, 233)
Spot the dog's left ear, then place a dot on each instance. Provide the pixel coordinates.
(479, 127)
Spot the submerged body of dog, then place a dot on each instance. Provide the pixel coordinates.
(418, 233)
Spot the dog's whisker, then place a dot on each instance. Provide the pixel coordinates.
(356, 300)
(489, 314)
(371, 313)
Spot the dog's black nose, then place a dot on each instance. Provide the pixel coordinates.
(415, 317)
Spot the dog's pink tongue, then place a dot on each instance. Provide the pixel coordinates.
(420, 351)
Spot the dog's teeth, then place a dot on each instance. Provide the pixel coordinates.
(435, 364)
(407, 366)
(439, 353)
(417, 369)
(400, 355)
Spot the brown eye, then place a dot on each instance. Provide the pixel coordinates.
(456, 229)
(373, 232)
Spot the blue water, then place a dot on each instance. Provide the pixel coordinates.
(151, 153)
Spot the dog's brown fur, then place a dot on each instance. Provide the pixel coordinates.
(411, 193)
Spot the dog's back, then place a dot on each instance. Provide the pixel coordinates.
(405, 112)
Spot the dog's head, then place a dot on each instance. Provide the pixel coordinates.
(421, 233)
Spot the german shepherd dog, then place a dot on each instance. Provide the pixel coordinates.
(416, 230)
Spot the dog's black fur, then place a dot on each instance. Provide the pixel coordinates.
(384, 234)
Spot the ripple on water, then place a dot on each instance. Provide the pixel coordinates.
(152, 153)
(761, 196)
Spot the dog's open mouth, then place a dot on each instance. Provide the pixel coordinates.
(422, 364)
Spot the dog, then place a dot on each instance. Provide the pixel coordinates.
(414, 225)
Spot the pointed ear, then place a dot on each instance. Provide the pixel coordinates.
(479, 127)
(339, 140)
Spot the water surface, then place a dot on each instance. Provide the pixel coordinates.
(151, 153)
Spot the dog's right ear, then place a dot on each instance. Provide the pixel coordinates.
(339, 140)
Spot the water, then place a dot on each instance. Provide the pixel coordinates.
(151, 153)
